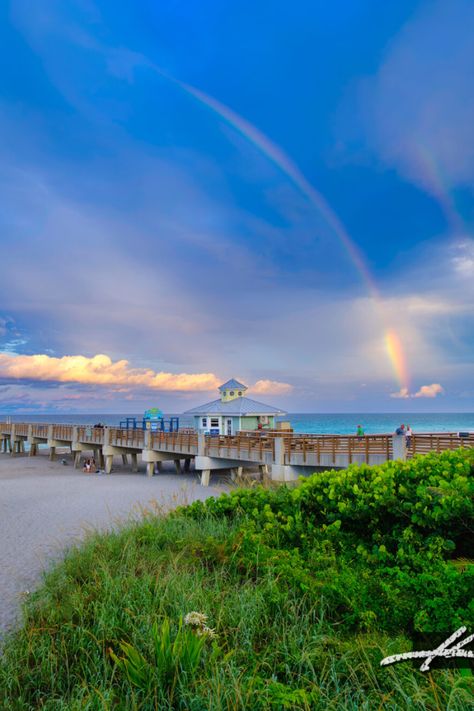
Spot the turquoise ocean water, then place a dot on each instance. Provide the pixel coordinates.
(306, 422)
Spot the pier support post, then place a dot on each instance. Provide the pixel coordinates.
(77, 460)
(279, 470)
(150, 468)
(134, 458)
(201, 448)
(399, 447)
(263, 469)
(187, 464)
(236, 473)
(177, 464)
(124, 460)
(109, 459)
(147, 439)
(32, 447)
(12, 441)
(52, 449)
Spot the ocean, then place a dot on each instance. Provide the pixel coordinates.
(303, 422)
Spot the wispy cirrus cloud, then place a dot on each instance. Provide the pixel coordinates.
(100, 370)
(420, 105)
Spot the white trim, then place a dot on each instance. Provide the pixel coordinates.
(278, 413)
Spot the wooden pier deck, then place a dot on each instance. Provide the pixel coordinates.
(281, 454)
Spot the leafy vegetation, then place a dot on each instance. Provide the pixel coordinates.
(307, 588)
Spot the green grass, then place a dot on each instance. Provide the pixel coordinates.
(279, 646)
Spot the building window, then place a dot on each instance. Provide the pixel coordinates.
(204, 421)
(231, 393)
(214, 422)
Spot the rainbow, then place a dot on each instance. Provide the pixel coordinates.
(397, 357)
(279, 158)
(432, 177)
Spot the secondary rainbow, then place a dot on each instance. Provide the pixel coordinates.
(279, 158)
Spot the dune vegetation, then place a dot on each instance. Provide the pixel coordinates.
(266, 598)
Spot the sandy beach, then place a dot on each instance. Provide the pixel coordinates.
(45, 506)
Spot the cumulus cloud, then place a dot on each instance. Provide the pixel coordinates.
(271, 387)
(430, 391)
(403, 394)
(100, 370)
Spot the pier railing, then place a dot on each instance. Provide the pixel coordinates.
(278, 447)
(186, 442)
(88, 434)
(126, 437)
(243, 446)
(39, 430)
(314, 449)
(438, 442)
(62, 432)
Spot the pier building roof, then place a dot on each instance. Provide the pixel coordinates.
(238, 406)
(232, 384)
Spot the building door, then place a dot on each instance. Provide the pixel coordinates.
(228, 429)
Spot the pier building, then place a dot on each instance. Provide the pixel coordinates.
(233, 412)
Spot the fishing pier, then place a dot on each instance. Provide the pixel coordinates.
(279, 455)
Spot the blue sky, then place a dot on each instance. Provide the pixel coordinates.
(195, 191)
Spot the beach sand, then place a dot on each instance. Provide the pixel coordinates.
(45, 506)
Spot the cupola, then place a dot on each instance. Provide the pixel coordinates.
(231, 390)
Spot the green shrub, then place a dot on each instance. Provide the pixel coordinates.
(379, 544)
(308, 588)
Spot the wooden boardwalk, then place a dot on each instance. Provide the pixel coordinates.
(285, 455)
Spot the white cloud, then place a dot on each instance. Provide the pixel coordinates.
(463, 262)
(402, 394)
(429, 390)
(271, 387)
(100, 370)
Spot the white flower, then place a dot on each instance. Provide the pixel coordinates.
(195, 619)
(206, 632)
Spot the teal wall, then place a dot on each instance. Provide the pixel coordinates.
(249, 423)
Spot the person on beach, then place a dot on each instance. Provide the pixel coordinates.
(87, 466)
(360, 431)
(93, 468)
(400, 430)
(408, 436)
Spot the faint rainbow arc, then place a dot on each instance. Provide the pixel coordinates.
(435, 185)
(279, 158)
